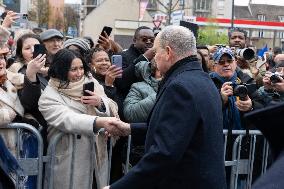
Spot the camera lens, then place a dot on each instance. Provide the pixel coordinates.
(241, 91)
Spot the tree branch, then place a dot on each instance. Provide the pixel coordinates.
(158, 1)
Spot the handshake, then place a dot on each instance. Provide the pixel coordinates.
(113, 126)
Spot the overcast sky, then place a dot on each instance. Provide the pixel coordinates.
(237, 2)
(272, 2)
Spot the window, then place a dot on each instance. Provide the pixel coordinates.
(181, 3)
(152, 5)
(202, 4)
(281, 34)
(221, 4)
(261, 17)
(281, 18)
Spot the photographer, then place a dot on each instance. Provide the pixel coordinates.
(237, 89)
(245, 55)
(272, 91)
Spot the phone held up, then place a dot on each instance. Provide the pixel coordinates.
(39, 49)
(23, 16)
(106, 29)
(88, 86)
(116, 60)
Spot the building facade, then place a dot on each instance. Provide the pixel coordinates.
(121, 15)
(263, 13)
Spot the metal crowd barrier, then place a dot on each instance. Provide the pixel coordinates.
(30, 166)
(254, 147)
(51, 151)
(34, 166)
(239, 165)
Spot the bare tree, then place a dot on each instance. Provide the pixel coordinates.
(43, 13)
(71, 18)
(170, 7)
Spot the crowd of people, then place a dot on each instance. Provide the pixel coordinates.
(172, 95)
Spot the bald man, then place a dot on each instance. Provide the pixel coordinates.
(279, 58)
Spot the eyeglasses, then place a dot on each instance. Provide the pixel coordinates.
(146, 39)
(223, 62)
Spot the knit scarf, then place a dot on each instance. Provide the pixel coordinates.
(231, 114)
(73, 90)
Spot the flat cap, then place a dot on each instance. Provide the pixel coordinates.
(50, 33)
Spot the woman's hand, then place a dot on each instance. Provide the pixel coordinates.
(34, 67)
(112, 73)
(44, 71)
(104, 42)
(10, 19)
(93, 99)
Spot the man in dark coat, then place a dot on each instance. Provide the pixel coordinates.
(140, 50)
(270, 122)
(184, 143)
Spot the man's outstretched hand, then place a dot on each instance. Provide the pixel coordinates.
(113, 126)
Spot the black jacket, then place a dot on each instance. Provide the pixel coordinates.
(184, 143)
(129, 58)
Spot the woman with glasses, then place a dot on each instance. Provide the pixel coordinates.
(79, 116)
(103, 70)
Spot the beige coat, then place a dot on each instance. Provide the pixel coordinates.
(10, 106)
(4, 36)
(66, 115)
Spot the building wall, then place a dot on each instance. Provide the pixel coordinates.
(223, 9)
(121, 15)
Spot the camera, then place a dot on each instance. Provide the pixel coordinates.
(240, 90)
(275, 78)
(245, 53)
(243, 89)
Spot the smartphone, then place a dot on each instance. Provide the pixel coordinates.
(116, 60)
(106, 29)
(23, 16)
(39, 49)
(88, 86)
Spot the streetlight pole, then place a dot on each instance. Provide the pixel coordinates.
(233, 13)
(170, 12)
